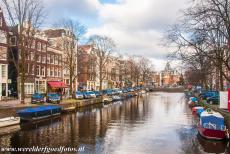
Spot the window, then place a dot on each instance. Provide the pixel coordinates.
(3, 37)
(29, 88)
(28, 68)
(48, 71)
(13, 40)
(51, 59)
(44, 47)
(33, 44)
(38, 58)
(3, 53)
(38, 70)
(32, 69)
(59, 73)
(56, 59)
(40, 86)
(31, 55)
(55, 72)
(51, 71)
(48, 58)
(60, 60)
(27, 54)
(43, 59)
(3, 71)
(39, 46)
(43, 71)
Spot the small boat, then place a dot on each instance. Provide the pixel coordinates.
(9, 121)
(40, 112)
(192, 101)
(211, 125)
(106, 99)
(199, 111)
(194, 109)
(116, 98)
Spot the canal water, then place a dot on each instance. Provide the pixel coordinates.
(160, 123)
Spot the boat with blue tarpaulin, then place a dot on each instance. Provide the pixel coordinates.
(40, 112)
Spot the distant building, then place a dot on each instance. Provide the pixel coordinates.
(86, 68)
(167, 77)
(3, 57)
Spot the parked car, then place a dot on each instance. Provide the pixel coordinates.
(108, 92)
(106, 99)
(124, 90)
(53, 98)
(98, 93)
(117, 91)
(130, 89)
(213, 99)
(79, 95)
(205, 94)
(92, 94)
(86, 95)
(37, 98)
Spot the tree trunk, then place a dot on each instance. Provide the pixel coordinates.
(22, 89)
(71, 84)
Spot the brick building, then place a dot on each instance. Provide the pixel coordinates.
(35, 49)
(3, 57)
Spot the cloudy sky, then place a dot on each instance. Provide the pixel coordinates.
(137, 26)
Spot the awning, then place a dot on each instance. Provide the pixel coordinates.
(57, 84)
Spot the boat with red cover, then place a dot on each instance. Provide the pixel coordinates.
(211, 125)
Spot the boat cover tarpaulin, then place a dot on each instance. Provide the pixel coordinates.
(212, 120)
(199, 111)
(57, 84)
(38, 109)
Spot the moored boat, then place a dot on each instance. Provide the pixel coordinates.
(9, 121)
(192, 101)
(194, 109)
(116, 98)
(40, 112)
(199, 111)
(211, 125)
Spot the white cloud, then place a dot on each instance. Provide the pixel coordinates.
(137, 26)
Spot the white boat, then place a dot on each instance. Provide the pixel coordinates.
(8, 121)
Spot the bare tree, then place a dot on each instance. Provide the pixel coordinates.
(70, 45)
(103, 48)
(146, 68)
(27, 16)
(203, 38)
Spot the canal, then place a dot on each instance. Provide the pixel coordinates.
(159, 123)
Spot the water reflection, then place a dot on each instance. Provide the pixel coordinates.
(152, 123)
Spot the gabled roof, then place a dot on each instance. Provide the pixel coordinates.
(52, 33)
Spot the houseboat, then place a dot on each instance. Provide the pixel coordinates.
(211, 125)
